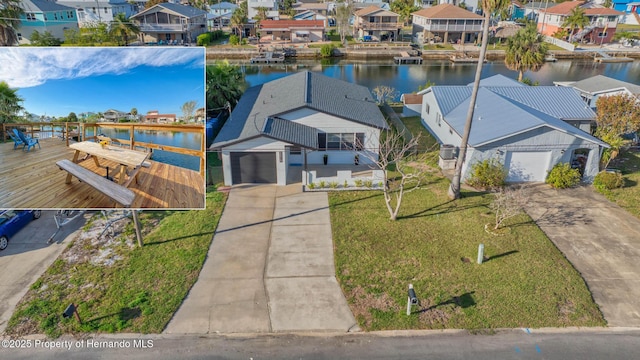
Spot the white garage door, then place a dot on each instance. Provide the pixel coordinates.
(527, 165)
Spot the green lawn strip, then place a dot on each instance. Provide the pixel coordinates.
(627, 197)
(439, 47)
(138, 293)
(532, 285)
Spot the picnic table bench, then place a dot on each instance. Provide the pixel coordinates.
(116, 192)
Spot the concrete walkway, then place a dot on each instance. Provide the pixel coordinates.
(601, 240)
(270, 268)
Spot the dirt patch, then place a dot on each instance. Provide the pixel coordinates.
(364, 302)
(565, 309)
(434, 316)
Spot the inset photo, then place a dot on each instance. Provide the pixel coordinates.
(95, 128)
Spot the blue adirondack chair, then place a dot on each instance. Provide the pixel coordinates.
(28, 142)
(16, 140)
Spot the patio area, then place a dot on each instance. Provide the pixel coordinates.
(32, 180)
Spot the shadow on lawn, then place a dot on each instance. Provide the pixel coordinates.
(440, 209)
(501, 255)
(179, 238)
(464, 301)
(125, 314)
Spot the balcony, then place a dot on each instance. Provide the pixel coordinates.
(380, 25)
(163, 27)
(453, 27)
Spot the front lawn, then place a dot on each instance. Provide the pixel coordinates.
(627, 197)
(526, 281)
(119, 287)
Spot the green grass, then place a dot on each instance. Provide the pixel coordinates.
(627, 27)
(427, 142)
(439, 47)
(527, 283)
(627, 197)
(139, 293)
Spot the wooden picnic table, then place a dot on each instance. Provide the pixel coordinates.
(130, 161)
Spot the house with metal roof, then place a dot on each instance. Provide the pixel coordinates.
(303, 119)
(590, 89)
(94, 11)
(377, 23)
(445, 23)
(43, 16)
(169, 23)
(529, 129)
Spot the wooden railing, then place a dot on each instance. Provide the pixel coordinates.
(79, 130)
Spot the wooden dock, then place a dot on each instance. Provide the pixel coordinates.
(268, 57)
(405, 58)
(464, 59)
(612, 59)
(31, 180)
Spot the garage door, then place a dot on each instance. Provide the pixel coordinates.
(253, 167)
(527, 166)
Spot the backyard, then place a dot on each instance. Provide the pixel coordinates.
(525, 281)
(117, 286)
(627, 197)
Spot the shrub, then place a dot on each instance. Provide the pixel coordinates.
(311, 186)
(204, 39)
(244, 41)
(562, 176)
(333, 184)
(346, 184)
(327, 50)
(322, 184)
(488, 174)
(234, 40)
(358, 182)
(608, 180)
(368, 183)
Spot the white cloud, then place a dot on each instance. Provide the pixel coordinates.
(28, 67)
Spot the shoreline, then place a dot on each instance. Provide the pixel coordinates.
(239, 53)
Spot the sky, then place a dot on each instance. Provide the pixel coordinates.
(57, 81)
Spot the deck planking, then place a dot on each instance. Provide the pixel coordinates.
(32, 180)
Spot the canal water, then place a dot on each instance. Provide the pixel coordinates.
(186, 140)
(407, 78)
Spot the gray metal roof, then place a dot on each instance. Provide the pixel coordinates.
(502, 112)
(43, 6)
(300, 90)
(498, 80)
(559, 102)
(186, 11)
(291, 132)
(600, 83)
(223, 5)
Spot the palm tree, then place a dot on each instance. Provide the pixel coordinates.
(489, 7)
(10, 12)
(576, 19)
(122, 27)
(238, 19)
(404, 8)
(526, 50)
(9, 103)
(225, 85)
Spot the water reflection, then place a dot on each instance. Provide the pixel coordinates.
(407, 78)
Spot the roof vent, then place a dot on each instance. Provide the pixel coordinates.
(345, 96)
(264, 102)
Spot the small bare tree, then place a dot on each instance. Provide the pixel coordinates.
(188, 109)
(395, 153)
(508, 202)
(384, 93)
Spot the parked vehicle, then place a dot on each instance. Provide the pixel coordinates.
(12, 221)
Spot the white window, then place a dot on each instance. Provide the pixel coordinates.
(31, 16)
(343, 141)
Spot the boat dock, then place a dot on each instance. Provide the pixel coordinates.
(405, 58)
(464, 59)
(606, 58)
(268, 57)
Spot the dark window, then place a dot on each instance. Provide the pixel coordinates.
(333, 141)
(295, 150)
(427, 108)
(359, 141)
(347, 141)
(322, 141)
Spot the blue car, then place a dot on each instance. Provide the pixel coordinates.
(12, 221)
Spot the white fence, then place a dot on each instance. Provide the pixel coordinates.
(343, 177)
(561, 43)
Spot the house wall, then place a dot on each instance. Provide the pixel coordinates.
(441, 131)
(54, 22)
(333, 124)
(257, 144)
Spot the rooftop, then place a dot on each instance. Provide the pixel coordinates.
(447, 11)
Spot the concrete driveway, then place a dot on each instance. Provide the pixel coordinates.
(601, 240)
(270, 268)
(27, 257)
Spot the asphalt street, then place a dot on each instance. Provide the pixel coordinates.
(567, 344)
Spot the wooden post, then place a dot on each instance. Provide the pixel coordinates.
(136, 224)
(131, 144)
(4, 132)
(75, 311)
(66, 132)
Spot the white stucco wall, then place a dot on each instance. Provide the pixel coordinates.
(442, 131)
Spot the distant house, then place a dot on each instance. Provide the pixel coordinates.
(529, 129)
(114, 115)
(42, 16)
(318, 8)
(154, 117)
(270, 5)
(471, 5)
(282, 126)
(310, 15)
(631, 8)
(446, 23)
(93, 11)
(377, 23)
(592, 88)
(200, 115)
(602, 21)
(412, 104)
(292, 30)
(171, 23)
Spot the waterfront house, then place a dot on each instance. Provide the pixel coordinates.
(301, 120)
(154, 117)
(470, 5)
(114, 115)
(446, 23)
(631, 8)
(377, 23)
(169, 23)
(590, 89)
(602, 22)
(220, 14)
(94, 11)
(43, 16)
(292, 30)
(318, 8)
(270, 5)
(529, 129)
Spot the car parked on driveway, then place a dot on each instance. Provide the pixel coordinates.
(12, 221)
